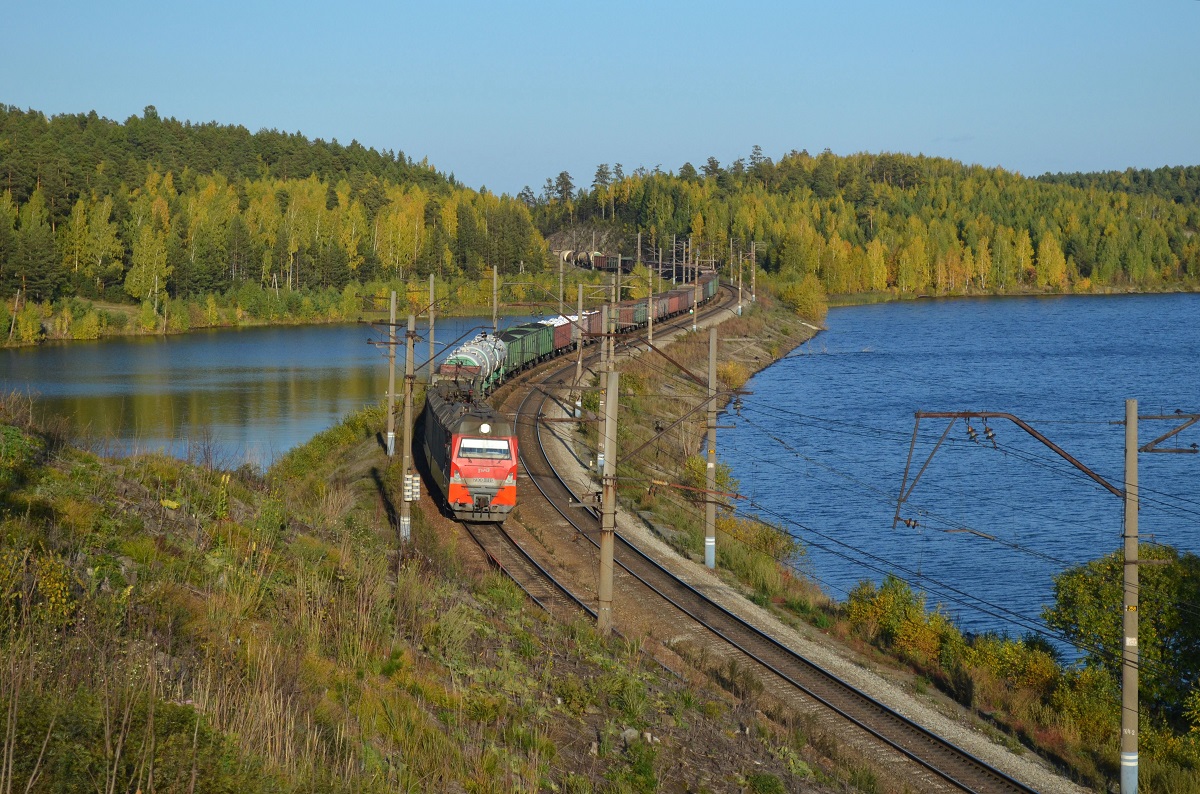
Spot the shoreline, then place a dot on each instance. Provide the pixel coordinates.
(51, 334)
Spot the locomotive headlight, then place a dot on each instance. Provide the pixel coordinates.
(485, 428)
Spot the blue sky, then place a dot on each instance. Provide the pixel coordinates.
(505, 95)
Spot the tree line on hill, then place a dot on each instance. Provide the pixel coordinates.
(908, 224)
(153, 208)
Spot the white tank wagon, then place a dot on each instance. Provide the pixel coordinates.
(481, 361)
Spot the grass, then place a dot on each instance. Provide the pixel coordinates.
(263, 636)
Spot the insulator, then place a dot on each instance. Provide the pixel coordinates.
(972, 433)
(989, 434)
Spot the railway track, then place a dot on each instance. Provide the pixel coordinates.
(952, 765)
(520, 566)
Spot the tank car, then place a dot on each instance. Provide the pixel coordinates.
(480, 361)
(472, 453)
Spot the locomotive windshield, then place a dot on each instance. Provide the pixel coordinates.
(490, 448)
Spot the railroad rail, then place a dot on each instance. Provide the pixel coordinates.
(943, 759)
(519, 565)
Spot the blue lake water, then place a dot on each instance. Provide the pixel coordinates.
(821, 444)
(233, 395)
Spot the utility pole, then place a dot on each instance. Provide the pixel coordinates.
(741, 256)
(391, 412)
(560, 286)
(608, 506)
(672, 259)
(495, 299)
(1129, 496)
(578, 333)
(1129, 646)
(616, 296)
(753, 273)
(710, 480)
(406, 452)
(650, 314)
(604, 312)
(432, 308)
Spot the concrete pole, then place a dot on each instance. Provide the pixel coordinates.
(1129, 649)
(406, 452)
(608, 507)
(561, 309)
(650, 314)
(391, 412)
(432, 299)
(672, 259)
(604, 315)
(740, 257)
(616, 296)
(753, 273)
(495, 299)
(578, 333)
(710, 480)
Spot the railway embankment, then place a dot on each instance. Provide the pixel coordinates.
(751, 580)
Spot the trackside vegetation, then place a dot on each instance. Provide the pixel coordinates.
(170, 627)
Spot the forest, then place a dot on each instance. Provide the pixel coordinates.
(152, 210)
(156, 208)
(912, 225)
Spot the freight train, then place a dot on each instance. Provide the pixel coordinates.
(472, 449)
(594, 260)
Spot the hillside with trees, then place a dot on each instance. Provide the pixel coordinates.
(206, 224)
(156, 209)
(908, 225)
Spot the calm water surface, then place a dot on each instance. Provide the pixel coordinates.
(239, 395)
(821, 444)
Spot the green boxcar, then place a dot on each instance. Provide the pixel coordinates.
(526, 344)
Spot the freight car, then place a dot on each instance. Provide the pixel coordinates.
(480, 361)
(472, 453)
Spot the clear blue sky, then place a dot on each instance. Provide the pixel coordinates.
(505, 95)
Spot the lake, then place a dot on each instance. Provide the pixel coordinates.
(821, 445)
(233, 396)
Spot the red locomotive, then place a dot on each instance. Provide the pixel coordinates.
(472, 453)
